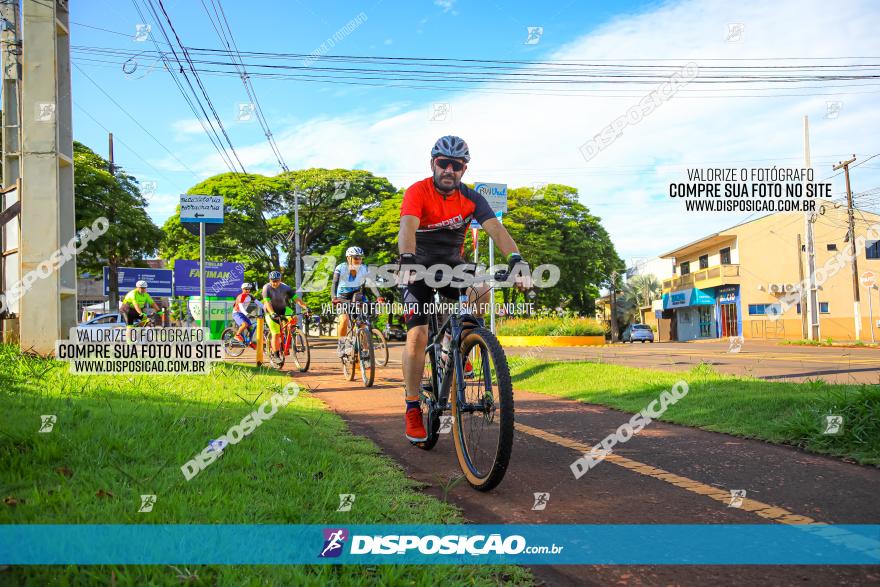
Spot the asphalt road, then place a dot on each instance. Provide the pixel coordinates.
(766, 360)
(665, 474)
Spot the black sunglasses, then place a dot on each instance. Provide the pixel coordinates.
(444, 163)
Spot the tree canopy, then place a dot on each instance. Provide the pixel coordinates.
(132, 236)
(340, 208)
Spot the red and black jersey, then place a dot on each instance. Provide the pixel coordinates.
(443, 221)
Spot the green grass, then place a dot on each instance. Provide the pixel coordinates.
(790, 413)
(551, 327)
(118, 437)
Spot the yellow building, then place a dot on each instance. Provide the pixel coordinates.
(743, 281)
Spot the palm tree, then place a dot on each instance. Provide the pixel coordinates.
(638, 291)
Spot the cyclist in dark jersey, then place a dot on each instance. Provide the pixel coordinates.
(434, 218)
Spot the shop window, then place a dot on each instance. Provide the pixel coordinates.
(725, 256)
(872, 249)
(685, 268)
(831, 247)
(799, 308)
(704, 261)
(823, 308)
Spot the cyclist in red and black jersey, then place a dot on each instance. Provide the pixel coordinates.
(434, 219)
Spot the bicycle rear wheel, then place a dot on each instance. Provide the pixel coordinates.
(349, 359)
(302, 356)
(380, 347)
(483, 418)
(366, 356)
(428, 401)
(232, 347)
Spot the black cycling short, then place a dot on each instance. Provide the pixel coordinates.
(348, 296)
(419, 294)
(131, 315)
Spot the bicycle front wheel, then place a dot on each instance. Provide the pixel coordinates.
(483, 413)
(380, 347)
(366, 357)
(302, 356)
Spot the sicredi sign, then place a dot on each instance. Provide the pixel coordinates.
(201, 209)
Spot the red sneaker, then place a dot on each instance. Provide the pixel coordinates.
(415, 429)
(468, 369)
(239, 338)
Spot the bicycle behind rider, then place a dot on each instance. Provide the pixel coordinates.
(434, 218)
(276, 302)
(349, 279)
(134, 302)
(241, 310)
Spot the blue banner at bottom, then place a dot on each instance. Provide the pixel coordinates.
(646, 544)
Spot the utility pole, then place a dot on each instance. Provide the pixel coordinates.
(805, 329)
(857, 314)
(113, 269)
(48, 309)
(614, 335)
(298, 259)
(809, 217)
(10, 197)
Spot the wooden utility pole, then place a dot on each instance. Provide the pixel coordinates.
(857, 314)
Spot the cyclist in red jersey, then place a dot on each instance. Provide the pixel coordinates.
(434, 218)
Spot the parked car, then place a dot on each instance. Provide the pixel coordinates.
(638, 332)
(111, 320)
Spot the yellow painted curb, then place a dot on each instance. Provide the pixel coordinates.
(551, 340)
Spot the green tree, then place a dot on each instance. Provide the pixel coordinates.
(131, 237)
(248, 234)
(550, 226)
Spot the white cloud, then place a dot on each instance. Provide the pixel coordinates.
(186, 129)
(522, 139)
(446, 5)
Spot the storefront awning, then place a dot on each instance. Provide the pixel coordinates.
(687, 297)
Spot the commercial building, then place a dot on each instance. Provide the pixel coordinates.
(738, 281)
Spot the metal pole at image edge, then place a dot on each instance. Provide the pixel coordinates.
(202, 273)
(491, 289)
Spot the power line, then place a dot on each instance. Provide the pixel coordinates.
(245, 79)
(126, 145)
(136, 121)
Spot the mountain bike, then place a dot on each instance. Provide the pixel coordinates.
(359, 349)
(293, 338)
(481, 405)
(235, 348)
(152, 320)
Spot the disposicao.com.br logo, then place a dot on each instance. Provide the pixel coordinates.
(455, 544)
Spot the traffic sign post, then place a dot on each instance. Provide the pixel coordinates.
(496, 196)
(201, 209)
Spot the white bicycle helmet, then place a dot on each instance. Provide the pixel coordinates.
(247, 285)
(141, 283)
(354, 252)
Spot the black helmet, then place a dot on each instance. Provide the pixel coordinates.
(451, 146)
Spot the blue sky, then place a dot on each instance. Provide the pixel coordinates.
(519, 140)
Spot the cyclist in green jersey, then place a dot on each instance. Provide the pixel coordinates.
(134, 303)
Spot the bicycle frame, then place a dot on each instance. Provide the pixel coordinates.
(455, 328)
